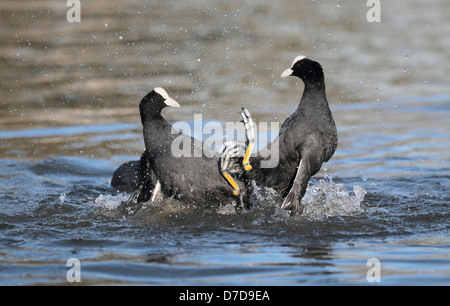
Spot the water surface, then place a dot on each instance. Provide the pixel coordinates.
(69, 117)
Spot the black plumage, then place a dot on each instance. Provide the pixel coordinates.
(194, 179)
(126, 177)
(307, 138)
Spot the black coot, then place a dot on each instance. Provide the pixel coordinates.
(126, 177)
(307, 138)
(194, 179)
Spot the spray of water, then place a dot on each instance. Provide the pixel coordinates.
(322, 200)
(328, 199)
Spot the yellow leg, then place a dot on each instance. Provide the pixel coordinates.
(245, 162)
(232, 183)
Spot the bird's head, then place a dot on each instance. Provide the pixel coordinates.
(306, 69)
(154, 102)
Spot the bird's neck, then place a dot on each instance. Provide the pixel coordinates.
(155, 130)
(155, 121)
(150, 116)
(315, 86)
(314, 92)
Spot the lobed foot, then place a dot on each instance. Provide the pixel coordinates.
(233, 150)
(250, 136)
(229, 167)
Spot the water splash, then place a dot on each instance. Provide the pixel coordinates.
(108, 205)
(322, 200)
(328, 199)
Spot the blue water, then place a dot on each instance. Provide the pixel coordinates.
(69, 117)
(394, 209)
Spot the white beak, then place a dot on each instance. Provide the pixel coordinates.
(167, 100)
(171, 102)
(287, 72)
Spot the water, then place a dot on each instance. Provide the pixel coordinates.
(69, 118)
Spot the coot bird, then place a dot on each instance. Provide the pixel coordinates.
(307, 138)
(195, 179)
(126, 177)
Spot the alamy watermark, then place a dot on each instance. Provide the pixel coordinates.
(74, 13)
(374, 13)
(214, 134)
(74, 273)
(373, 275)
